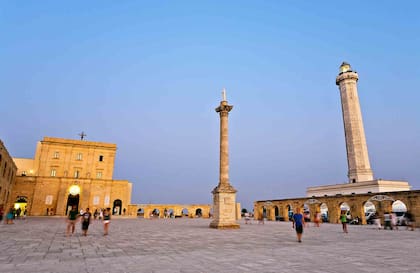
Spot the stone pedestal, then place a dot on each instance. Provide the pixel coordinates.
(224, 209)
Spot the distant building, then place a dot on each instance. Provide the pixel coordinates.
(67, 173)
(8, 171)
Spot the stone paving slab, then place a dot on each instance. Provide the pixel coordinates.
(39, 244)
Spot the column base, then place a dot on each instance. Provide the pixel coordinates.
(220, 225)
(224, 208)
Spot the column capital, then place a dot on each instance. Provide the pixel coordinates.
(224, 107)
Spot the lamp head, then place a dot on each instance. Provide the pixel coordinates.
(345, 67)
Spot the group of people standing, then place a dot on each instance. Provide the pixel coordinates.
(85, 219)
(12, 214)
(298, 221)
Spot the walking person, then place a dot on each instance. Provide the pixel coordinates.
(410, 220)
(1, 213)
(394, 221)
(261, 219)
(317, 219)
(247, 218)
(86, 221)
(18, 212)
(107, 220)
(387, 220)
(343, 219)
(71, 220)
(377, 221)
(10, 215)
(298, 223)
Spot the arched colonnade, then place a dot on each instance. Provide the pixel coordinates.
(330, 206)
(170, 210)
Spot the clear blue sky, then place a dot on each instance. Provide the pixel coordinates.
(148, 75)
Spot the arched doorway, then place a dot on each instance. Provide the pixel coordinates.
(184, 212)
(324, 212)
(171, 213)
(20, 205)
(198, 212)
(116, 208)
(344, 207)
(155, 213)
(369, 207)
(399, 209)
(264, 213)
(73, 198)
(277, 213)
(140, 212)
(370, 212)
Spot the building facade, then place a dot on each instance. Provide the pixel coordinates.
(8, 171)
(67, 173)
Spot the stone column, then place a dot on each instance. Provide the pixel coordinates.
(357, 153)
(224, 195)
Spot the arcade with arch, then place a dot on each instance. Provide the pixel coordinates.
(355, 205)
(169, 210)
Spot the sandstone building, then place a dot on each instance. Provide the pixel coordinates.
(8, 171)
(67, 172)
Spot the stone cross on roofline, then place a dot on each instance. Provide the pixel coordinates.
(82, 135)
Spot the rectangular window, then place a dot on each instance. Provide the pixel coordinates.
(76, 174)
(106, 200)
(101, 158)
(79, 156)
(53, 172)
(48, 200)
(98, 174)
(56, 155)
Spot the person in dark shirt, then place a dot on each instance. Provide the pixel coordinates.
(298, 223)
(71, 220)
(86, 221)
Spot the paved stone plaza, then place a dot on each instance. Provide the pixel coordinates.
(189, 245)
